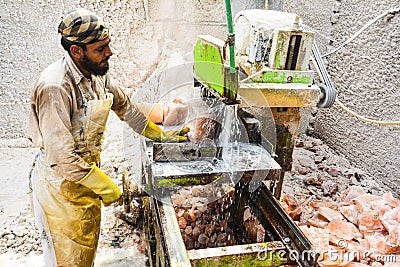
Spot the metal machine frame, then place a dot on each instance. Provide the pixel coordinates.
(279, 80)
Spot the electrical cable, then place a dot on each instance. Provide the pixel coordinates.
(322, 72)
(384, 14)
(362, 118)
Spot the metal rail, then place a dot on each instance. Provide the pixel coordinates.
(299, 247)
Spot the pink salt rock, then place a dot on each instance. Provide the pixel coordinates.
(330, 214)
(175, 114)
(350, 213)
(376, 241)
(393, 241)
(318, 237)
(317, 221)
(182, 223)
(356, 264)
(363, 202)
(342, 229)
(370, 222)
(390, 219)
(352, 192)
(390, 200)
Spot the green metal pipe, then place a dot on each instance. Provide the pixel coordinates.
(231, 36)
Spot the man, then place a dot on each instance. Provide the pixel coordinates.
(69, 109)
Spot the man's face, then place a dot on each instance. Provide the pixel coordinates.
(95, 58)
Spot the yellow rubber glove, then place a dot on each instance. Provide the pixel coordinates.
(101, 184)
(155, 133)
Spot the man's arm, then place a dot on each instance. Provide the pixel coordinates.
(135, 118)
(124, 108)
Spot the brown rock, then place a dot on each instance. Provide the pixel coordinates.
(202, 129)
(221, 238)
(195, 232)
(299, 143)
(209, 230)
(318, 159)
(213, 238)
(230, 240)
(203, 239)
(187, 238)
(224, 224)
(312, 181)
(321, 166)
(333, 172)
(198, 214)
(188, 230)
(331, 189)
(254, 229)
(212, 205)
(189, 245)
(302, 170)
(182, 223)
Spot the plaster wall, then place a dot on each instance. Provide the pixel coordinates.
(145, 36)
(367, 78)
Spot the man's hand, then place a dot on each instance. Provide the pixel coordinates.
(101, 184)
(176, 135)
(155, 133)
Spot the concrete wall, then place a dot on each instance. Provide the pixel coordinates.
(145, 35)
(367, 77)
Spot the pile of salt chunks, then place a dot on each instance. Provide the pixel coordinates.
(361, 230)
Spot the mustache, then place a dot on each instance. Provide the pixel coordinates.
(105, 60)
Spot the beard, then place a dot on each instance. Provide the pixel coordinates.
(93, 67)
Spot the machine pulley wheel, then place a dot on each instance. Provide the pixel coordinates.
(327, 96)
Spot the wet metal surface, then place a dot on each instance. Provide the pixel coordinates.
(278, 95)
(283, 225)
(239, 157)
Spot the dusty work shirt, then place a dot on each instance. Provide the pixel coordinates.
(56, 105)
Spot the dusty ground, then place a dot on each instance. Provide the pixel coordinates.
(19, 240)
(314, 161)
(20, 244)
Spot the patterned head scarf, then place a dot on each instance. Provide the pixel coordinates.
(83, 27)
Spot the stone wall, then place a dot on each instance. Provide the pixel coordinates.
(145, 36)
(367, 78)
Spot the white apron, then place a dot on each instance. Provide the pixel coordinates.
(68, 214)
